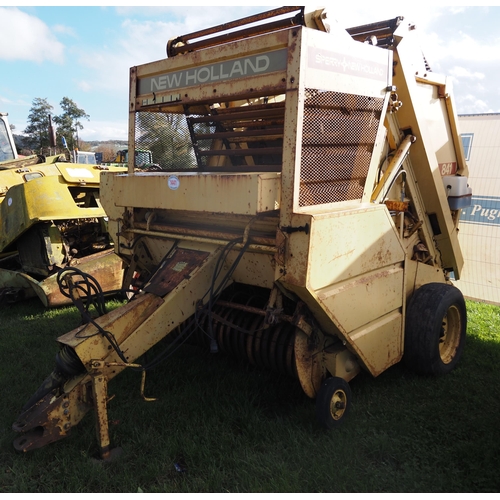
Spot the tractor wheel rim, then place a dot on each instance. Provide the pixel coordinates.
(338, 404)
(450, 335)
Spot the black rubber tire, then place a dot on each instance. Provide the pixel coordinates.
(436, 322)
(333, 402)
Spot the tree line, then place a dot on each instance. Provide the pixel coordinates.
(38, 131)
(165, 135)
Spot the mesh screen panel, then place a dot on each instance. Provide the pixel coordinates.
(229, 137)
(339, 132)
(167, 136)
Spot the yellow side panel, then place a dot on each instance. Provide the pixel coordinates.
(358, 302)
(244, 193)
(253, 269)
(356, 276)
(346, 244)
(380, 343)
(76, 173)
(42, 199)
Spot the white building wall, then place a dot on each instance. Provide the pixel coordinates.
(480, 223)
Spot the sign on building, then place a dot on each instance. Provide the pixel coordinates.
(480, 223)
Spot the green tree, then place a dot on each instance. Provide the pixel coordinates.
(168, 139)
(69, 122)
(38, 124)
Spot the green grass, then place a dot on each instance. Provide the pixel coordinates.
(234, 428)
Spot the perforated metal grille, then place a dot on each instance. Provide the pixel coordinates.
(339, 132)
(167, 136)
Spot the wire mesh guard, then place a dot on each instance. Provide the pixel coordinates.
(167, 136)
(338, 136)
(245, 137)
(339, 132)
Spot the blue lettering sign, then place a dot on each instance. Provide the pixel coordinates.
(484, 210)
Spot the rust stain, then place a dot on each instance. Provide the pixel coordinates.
(309, 368)
(174, 270)
(106, 267)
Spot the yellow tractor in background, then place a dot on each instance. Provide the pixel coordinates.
(51, 218)
(300, 222)
(8, 151)
(143, 157)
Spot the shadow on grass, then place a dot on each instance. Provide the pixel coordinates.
(232, 427)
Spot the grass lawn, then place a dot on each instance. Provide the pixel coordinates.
(221, 426)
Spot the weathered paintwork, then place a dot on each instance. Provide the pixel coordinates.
(202, 192)
(292, 191)
(51, 217)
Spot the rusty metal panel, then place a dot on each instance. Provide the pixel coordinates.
(51, 418)
(310, 371)
(242, 66)
(357, 276)
(418, 273)
(106, 267)
(121, 322)
(204, 70)
(176, 267)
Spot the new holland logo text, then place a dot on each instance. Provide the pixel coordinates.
(227, 70)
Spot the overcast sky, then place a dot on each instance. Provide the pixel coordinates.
(85, 53)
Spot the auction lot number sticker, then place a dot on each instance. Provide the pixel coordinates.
(173, 182)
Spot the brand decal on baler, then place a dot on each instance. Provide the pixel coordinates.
(343, 63)
(226, 70)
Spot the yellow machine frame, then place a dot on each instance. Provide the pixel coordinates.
(349, 235)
